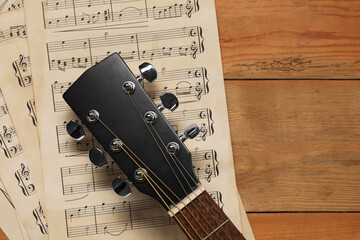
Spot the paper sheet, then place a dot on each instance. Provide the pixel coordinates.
(9, 221)
(16, 81)
(181, 40)
(17, 179)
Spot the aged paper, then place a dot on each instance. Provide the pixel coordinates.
(9, 221)
(181, 41)
(9, 5)
(16, 82)
(17, 179)
(15, 172)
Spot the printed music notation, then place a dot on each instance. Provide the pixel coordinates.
(32, 112)
(40, 219)
(202, 117)
(84, 53)
(188, 85)
(9, 142)
(116, 218)
(24, 180)
(13, 32)
(23, 71)
(85, 178)
(3, 110)
(7, 5)
(96, 14)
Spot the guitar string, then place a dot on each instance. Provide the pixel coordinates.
(151, 179)
(172, 168)
(187, 194)
(201, 201)
(172, 157)
(172, 171)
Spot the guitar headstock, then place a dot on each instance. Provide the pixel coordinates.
(111, 102)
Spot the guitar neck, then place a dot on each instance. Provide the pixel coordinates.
(203, 219)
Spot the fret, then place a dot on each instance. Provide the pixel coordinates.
(204, 218)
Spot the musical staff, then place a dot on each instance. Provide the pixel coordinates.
(23, 71)
(32, 112)
(25, 181)
(84, 53)
(3, 110)
(9, 142)
(86, 178)
(109, 13)
(189, 85)
(13, 32)
(6, 5)
(206, 165)
(116, 218)
(40, 219)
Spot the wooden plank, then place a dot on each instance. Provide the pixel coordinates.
(2, 235)
(309, 226)
(286, 39)
(296, 144)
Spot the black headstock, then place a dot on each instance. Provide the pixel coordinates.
(110, 101)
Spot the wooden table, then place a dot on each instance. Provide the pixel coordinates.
(291, 69)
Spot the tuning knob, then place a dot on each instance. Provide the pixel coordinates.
(190, 132)
(75, 130)
(148, 72)
(97, 157)
(121, 187)
(168, 101)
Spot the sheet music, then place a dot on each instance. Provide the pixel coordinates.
(16, 81)
(9, 5)
(15, 167)
(9, 222)
(17, 178)
(181, 40)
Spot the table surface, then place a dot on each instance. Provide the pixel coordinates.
(291, 75)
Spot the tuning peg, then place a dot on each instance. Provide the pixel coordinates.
(148, 72)
(75, 130)
(190, 132)
(169, 101)
(121, 187)
(98, 157)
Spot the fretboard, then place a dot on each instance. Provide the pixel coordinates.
(203, 219)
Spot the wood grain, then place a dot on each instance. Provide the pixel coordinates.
(309, 226)
(296, 144)
(290, 39)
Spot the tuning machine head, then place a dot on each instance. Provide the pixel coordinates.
(121, 187)
(190, 132)
(75, 130)
(148, 72)
(169, 101)
(98, 157)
